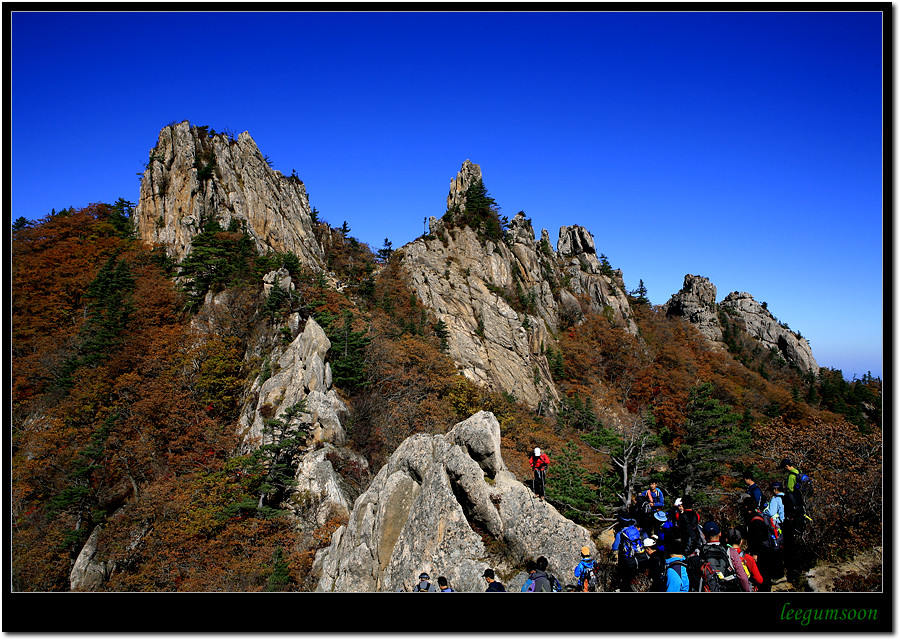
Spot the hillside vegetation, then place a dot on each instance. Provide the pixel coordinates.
(124, 416)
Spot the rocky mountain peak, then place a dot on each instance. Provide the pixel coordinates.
(696, 302)
(469, 174)
(193, 175)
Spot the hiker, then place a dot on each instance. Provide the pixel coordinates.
(676, 571)
(629, 545)
(542, 583)
(539, 463)
(768, 560)
(792, 474)
(665, 528)
(656, 564)
(794, 519)
(753, 489)
(775, 508)
(493, 583)
(689, 526)
(444, 586)
(655, 496)
(585, 576)
(424, 583)
(716, 554)
(530, 568)
(744, 566)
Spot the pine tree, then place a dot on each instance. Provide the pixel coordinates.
(713, 436)
(566, 480)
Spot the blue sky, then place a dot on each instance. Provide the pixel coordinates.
(744, 147)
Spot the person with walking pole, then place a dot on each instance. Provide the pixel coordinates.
(539, 462)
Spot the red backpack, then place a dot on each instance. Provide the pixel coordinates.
(775, 540)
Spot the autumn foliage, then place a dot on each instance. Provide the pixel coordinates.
(124, 417)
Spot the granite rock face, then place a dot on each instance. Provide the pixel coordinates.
(696, 302)
(759, 323)
(192, 176)
(504, 301)
(300, 374)
(433, 506)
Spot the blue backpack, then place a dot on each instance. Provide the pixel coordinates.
(632, 543)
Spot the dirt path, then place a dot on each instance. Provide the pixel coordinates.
(822, 577)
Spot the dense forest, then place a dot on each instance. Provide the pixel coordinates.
(117, 402)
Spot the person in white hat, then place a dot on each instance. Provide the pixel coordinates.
(539, 463)
(656, 564)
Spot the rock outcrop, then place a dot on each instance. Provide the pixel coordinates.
(696, 302)
(192, 176)
(446, 504)
(299, 375)
(504, 302)
(759, 323)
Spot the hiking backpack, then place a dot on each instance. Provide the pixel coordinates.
(555, 584)
(632, 541)
(717, 572)
(694, 532)
(588, 580)
(775, 539)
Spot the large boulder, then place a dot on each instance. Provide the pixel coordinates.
(447, 505)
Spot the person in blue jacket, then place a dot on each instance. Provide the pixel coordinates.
(655, 496)
(584, 568)
(775, 508)
(676, 571)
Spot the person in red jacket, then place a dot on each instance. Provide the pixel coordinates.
(539, 462)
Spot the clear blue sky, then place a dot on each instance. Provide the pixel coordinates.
(744, 147)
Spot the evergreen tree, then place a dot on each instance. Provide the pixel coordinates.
(640, 294)
(713, 436)
(482, 212)
(121, 217)
(443, 334)
(108, 312)
(384, 254)
(215, 260)
(566, 481)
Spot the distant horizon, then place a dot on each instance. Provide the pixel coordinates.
(745, 147)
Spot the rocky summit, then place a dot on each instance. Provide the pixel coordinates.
(193, 175)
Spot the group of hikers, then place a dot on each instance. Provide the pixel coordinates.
(675, 550)
(679, 553)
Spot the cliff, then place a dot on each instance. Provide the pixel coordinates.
(192, 176)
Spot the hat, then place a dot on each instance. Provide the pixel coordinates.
(662, 516)
(711, 529)
(677, 502)
(649, 542)
(424, 576)
(775, 485)
(585, 551)
(537, 451)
